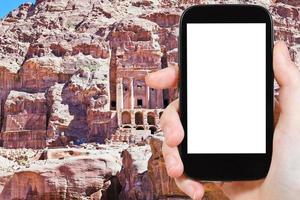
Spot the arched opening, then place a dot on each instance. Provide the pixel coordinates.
(140, 128)
(151, 118)
(126, 118)
(153, 129)
(139, 118)
(160, 114)
(127, 127)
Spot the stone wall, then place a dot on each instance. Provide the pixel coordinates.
(24, 120)
(35, 139)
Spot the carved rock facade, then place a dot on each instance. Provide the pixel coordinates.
(72, 73)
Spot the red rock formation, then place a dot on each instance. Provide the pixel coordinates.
(38, 74)
(287, 28)
(134, 179)
(24, 139)
(60, 117)
(80, 108)
(24, 122)
(88, 98)
(88, 61)
(94, 50)
(62, 153)
(164, 19)
(63, 180)
(101, 125)
(24, 111)
(288, 2)
(163, 185)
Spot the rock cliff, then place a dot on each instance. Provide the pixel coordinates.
(74, 178)
(72, 76)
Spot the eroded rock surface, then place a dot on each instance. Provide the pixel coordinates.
(74, 178)
(24, 120)
(133, 177)
(164, 186)
(89, 50)
(72, 73)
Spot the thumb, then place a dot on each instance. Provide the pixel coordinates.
(288, 77)
(286, 72)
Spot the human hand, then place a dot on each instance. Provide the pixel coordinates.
(283, 179)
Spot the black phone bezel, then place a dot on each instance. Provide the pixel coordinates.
(226, 167)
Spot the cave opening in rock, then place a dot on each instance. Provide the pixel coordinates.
(138, 118)
(126, 118)
(140, 102)
(153, 129)
(151, 118)
(140, 128)
(113, 104)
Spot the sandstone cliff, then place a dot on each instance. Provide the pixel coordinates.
(64, 66)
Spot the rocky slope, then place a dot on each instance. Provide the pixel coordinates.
(56, 69)
(65, 174)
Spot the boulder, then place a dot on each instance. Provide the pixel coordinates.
(75, 178)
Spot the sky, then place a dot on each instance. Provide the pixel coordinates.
(8, 5)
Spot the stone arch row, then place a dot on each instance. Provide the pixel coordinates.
(152, 129)
(126, 118)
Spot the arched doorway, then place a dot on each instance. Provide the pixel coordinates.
(126, 118)
(140, 128)
(138, 118)
(153, 129)
(151, 118)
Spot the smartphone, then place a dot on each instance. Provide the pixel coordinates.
(226, 92)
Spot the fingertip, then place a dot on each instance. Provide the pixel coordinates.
(149, 79)
(162, 79)
(173, 134)
(192, 188)
(172, 160)
(171, 125)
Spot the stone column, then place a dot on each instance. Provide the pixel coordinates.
(131, 93)
(119, 91)
(119, 98)
(119, 115)
(147, 97)
(132, 114)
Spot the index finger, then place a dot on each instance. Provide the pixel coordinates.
(164, 78)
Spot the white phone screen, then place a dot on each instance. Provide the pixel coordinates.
(226, 88)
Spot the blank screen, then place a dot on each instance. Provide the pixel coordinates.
(226, 88)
